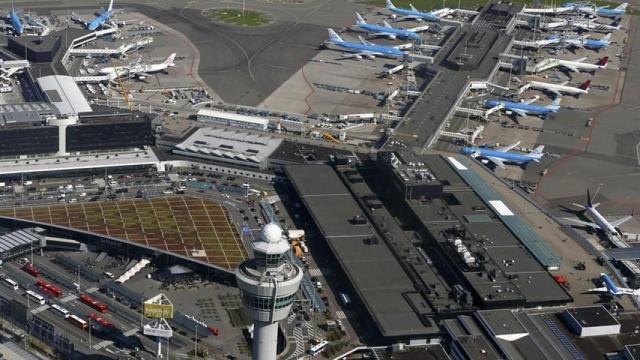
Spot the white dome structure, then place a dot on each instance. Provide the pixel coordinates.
(271, 242)
(271, 233)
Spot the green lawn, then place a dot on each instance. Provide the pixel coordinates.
(235, 17)
(474, 4)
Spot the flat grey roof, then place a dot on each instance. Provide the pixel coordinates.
(80, 162)
(63, 92)
(231, 144)
(589, 316)
(373, 270)
(12, 240)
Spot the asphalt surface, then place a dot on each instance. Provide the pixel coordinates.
(243, 65)
(603, 157)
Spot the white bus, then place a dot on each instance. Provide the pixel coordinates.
(12, 283)
(36, 297)
(60, 310)
(77, 321)
(318, 348)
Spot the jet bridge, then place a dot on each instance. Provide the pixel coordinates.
(121, 50)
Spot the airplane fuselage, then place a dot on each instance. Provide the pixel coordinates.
(377, 49)
(383, 29)
(560, 88)
(18, 28)
(508, 156)
(416, 14)
(580, 65)
(99, 20)
(600, 220)
(528, 108)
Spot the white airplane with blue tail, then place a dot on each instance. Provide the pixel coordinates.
(611, 288)
(523, 108)
(364, 49)
(389, 31)
(417, 15)
(503, 155)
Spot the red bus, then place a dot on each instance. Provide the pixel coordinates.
(49, 288)
(28, 267)
(102, 321)
(93, 303)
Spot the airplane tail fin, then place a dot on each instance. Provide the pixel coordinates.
(110, 6)
(359, 19)
(622, 6)
(390, 5)
(170, 59)
(589, 204)
(538, 150)
(333, 36)
(616, 22)
(603, 62)
(555, 104)
(585, 85)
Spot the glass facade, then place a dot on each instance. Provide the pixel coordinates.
(28, 141)
(269, 260)
(104, 136)
(265, 303)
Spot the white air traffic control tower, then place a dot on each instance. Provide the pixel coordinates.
(268, 284)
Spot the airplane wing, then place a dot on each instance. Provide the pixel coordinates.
(520, 112)
(555, 92)
(408, 17)
(532, 100)
(583, 223)
(384, 34)
(571, 68)
(497, 161)
(508, 147)
(359, 55)
(600, 289)
(142, 74)
(419, 28)
(616, 223)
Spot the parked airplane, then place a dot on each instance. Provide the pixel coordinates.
(611, 288)
(609, 228)
(600, 10)
(522, 108)
(590, 25)
(537, 44)
(363, 48)
(502, 155)
(102, 18)
(552, 10)
(14, 23)
(558, 89)
(388, 31)
(415, 14)
(579, 64)
(138, 69)
(585, 41)
(10, 67)
(533, 22)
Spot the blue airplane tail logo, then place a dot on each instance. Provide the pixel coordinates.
(610, 285)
